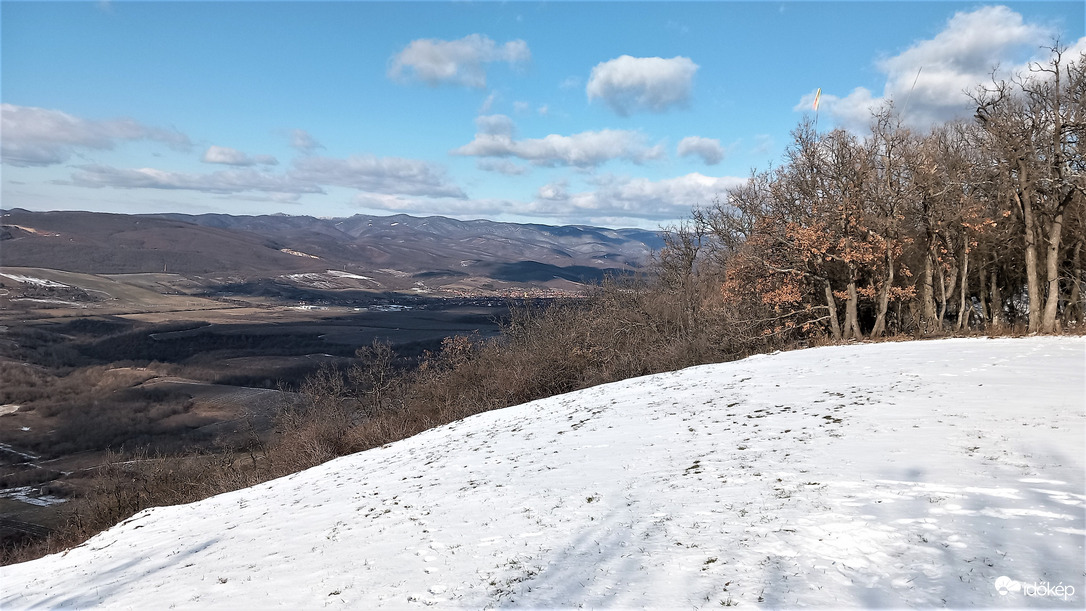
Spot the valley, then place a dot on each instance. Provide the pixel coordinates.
(124, 334)
(93, 365)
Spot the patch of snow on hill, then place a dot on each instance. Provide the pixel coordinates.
(298, 253)
(341, 274)
(33, 280)
(938, 473)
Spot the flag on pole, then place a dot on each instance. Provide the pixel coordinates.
(818, 96)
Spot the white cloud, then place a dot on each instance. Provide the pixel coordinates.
(224, 182)
(229, 156)
(710, 150)
(555, 191)
(618, 201)
(494, 138)
(502, 166)
(629, 84)
(302, 141)
(633, 198)
(458, 62)
(496, 125)
(388, 175)
(943, 68)
(38, 136)
(852, 111)
(488, 103)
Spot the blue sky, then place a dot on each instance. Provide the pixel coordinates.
(611, 113)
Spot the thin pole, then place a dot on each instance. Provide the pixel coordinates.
(910, 96)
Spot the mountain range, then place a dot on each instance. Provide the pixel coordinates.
(392, 252)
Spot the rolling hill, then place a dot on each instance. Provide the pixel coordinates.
(442, 250)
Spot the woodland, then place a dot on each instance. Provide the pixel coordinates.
(971, 225)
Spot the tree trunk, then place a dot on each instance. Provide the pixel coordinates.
(997, 298)
(852, 319)
(884, 298)
(831, 303)
(1033, 284)
(952, 279)
(1052, 269)
(996, 306)
(927, 290)
(942, 294)
(963, 311)
(982, 296)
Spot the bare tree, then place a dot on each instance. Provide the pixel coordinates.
(1034, 124)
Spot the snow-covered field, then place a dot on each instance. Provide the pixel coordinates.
(939, 473)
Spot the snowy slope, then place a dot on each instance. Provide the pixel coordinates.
(894, 474)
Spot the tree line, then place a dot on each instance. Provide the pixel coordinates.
(973, 224)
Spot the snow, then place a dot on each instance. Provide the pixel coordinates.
(33, 280)
(298, 253)
(938, 473)
(30, 496)
(342, 274)
(27, 456)
(52, 301)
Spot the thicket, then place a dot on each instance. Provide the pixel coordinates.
(969, 227)
(99, 407)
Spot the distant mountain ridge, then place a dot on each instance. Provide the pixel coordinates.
(439, 236)
(105, 243)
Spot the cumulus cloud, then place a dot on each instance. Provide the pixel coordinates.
(555, 191)
(458, 62)
(301, 140)
(637, 198)
(628, 84)
(709, 149)
(389, 175)
(39, 136)
(229, 156)
(224, 182)
(494, 138)
(495, 125)
(943, 68)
